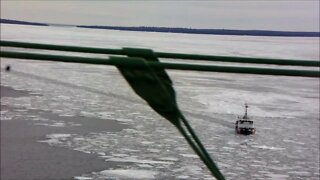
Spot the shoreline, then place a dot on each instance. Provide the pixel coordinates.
(180, 30)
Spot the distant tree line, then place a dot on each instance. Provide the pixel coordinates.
(186, 30)
(209, 31)
(9, 21)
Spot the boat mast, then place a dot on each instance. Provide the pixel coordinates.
(246, 113)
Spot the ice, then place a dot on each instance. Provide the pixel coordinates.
(278, 176)
(168, 159)
(58, 124)
(6, 115)
(183, 177)
(145, 165)
(54, 139)
(101, 154)
(231, 102)
(82, 178)
(119, 155)
(285, 109)
(130, 173)
(154, 150)
(293, 141)
(299, 173)
(123, 120)
(136, 160)
(268, 147)
(271, 47)
(193, 169)
(147, 142)
(189, 155)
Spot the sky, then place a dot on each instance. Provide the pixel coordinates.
(284, 15)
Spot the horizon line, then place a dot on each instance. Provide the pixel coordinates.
(163, 29)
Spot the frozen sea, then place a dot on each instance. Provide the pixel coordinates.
(285, 109)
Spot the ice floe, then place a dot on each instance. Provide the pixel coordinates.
(54, 139)
(130, 173)
(136, 160)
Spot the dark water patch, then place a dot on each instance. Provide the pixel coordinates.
(7, 91)
(22, 157)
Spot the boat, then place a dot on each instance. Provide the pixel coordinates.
(244, 124)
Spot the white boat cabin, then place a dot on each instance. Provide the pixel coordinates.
(241, 123)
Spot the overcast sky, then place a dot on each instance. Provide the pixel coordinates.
(292, 15)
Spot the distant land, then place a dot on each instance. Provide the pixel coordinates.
(180, 30)
(9, 21)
